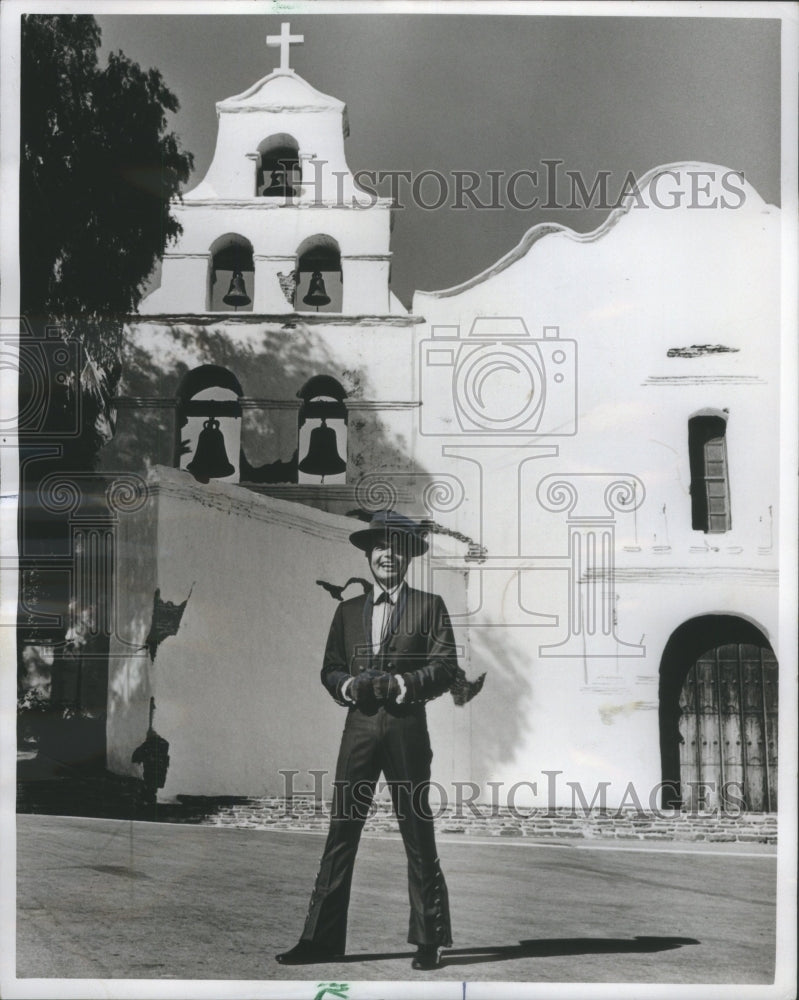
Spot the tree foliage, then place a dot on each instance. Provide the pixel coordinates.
(98, 171)
(99, 168)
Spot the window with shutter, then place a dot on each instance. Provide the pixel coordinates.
(710, 488)
(716, 485)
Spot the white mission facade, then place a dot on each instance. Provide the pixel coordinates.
(589, 429)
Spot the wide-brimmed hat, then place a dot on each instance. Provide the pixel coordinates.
(386, 524)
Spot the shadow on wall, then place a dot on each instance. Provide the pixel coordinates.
(500, 715)
(275, 367)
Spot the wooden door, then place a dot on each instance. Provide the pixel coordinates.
(728, 730)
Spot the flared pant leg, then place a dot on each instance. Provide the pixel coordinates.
(357, 771)
(406, 759)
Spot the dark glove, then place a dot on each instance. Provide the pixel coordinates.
(413, 689)
(386, 687)
(362, 690)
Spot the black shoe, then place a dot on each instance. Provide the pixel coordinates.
(305, 953)
(428, 956)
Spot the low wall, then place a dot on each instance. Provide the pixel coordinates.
(237, 689)
(117, 797)
(500, 821)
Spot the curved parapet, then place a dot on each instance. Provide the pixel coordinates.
(670, 189)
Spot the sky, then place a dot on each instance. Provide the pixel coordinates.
(490, 93)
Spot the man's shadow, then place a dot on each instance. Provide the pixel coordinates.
(541, 948)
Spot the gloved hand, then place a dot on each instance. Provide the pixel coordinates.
(362, 689)
(385, 686)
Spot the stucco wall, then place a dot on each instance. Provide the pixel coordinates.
(237, 689)
(372, 360)
(652, 279)
(326, 202)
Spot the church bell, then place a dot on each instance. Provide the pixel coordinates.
(317, 293)
(279, 186)
(210, 458)
(237, 293)
(323, 458)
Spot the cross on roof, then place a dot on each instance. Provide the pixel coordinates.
(283, 41)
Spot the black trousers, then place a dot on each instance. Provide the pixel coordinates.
(399, 746)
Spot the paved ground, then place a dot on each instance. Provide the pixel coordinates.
(116, 899)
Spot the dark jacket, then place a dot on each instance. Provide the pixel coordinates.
(420, 646)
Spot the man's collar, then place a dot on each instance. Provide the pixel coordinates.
(392, 596)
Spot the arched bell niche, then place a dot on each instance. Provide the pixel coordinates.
(208, 424)
(231, 274)
(322, 432)
(277, 169)
(320, 282)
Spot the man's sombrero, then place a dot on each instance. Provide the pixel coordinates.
(388, 524)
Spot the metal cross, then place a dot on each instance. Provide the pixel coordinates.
(283, 41)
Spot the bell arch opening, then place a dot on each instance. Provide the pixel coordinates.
(717, 700)
(231, 275)
(277, 167)
(320, 282)
(322, 432)
(208, 424)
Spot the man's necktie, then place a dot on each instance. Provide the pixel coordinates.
(386, 608)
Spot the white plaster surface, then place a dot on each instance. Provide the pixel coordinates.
(237, 690)
(328, 203)
(649, 280)
(693, 259)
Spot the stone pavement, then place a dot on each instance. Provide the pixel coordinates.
(102, 898)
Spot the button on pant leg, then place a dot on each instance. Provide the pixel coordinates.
(406, 762)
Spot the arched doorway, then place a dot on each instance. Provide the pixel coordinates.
(718, 716)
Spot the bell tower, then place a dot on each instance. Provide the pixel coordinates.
(280, 278)
(278, 224)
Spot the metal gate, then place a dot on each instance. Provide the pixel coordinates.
(728, 730)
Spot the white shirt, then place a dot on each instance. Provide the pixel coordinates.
(382, 612)
(381, 619)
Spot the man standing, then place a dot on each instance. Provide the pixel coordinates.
(388, 652)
